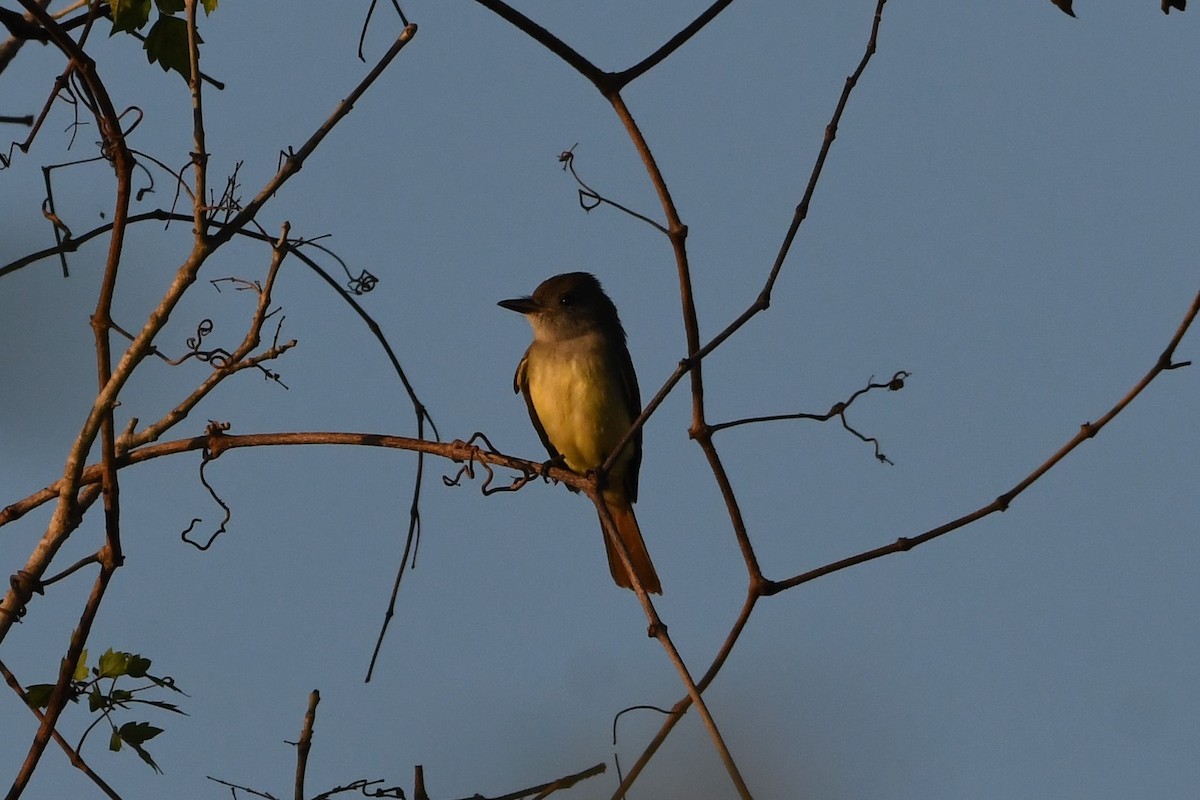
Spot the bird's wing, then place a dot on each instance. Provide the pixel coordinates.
(521, 384)
(633, 403)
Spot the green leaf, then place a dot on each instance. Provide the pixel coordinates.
(167, 44)
(114, 664)
(96, 700)
(114, 742)
(209, 6)
(135, 733)
(137, 666)
(38, 695)
(165, 706)
(145, 756)
(129, 15)
(81, 671)
(119, 696)
(169, 6)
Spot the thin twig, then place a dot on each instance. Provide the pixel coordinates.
(61, 692)
(72, 754)
(544, 789)
(763, 301)
(692, 365)
(680, 708)
(548, 40)
(294, 160)
(659, 631)
(64, 522)
(1087, 431)
(627, 76)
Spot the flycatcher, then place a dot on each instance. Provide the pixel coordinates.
(582, 394)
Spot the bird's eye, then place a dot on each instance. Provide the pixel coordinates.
(567, 300)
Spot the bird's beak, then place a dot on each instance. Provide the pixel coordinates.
(522, 305)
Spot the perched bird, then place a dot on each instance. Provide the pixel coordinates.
(582, 394)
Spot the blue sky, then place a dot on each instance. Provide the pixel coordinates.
(1009, 213)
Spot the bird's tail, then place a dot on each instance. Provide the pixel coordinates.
(631, 535)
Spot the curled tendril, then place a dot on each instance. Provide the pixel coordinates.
(203, 329)
(364, 283)
(838, 409)
(590, 199)
(195, 521)
(663, 711)
(49, 213)
(363, 786)
(362, 37)
(218, 357)
(468, 470)
(137, 120)
(616, 756)
(894, 384)
(148, 188)
(23, 583)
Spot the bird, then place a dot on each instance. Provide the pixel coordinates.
(582, 395)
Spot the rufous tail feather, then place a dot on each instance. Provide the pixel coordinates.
(631, 535)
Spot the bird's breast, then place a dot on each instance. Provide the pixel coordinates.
(580, 399)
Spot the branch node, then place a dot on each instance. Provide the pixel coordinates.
(215, 435)
(25, 585)
(761, 587)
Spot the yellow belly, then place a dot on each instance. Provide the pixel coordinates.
(581, 403)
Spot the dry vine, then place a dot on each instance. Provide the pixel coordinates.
(216, 219)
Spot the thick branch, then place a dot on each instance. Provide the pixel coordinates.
(217, 443)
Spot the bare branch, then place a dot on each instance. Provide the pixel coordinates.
(586, 68)
(625, 77)
(72, 753)
(305, 742)
(545, 789)
(589, 198)
(60, 694)
(295, 159)
(216, 443)
(1164, 362)
(836, 410)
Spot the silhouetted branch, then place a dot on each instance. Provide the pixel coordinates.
(217, 442)
(545, 789)
(1087, 430)
(305, 742)
(836, 410)
(625, 77)
(548, 40)
(589, 198)
(72, 753)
